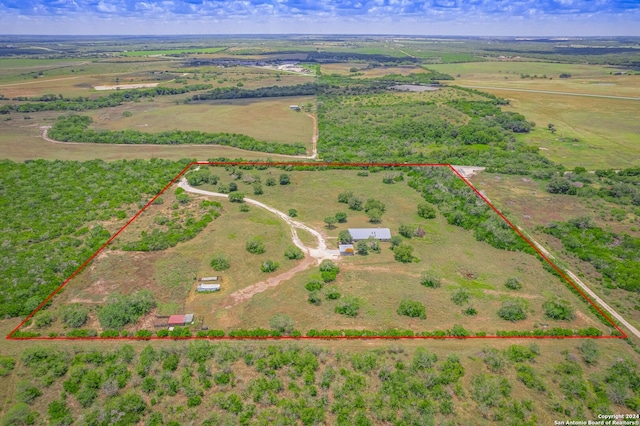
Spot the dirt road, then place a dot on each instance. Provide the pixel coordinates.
(314, 139)
(550, 92)
(313, 255)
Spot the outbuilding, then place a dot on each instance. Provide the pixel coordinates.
(346, 249)
(180, 320)
(204, 288)
(380, 234)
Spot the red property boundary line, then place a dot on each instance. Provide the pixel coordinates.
(622, 335)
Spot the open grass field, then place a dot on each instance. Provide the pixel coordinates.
(21, 140)
(136, 53)
(591, 132)
(265, 119)
(378, 281)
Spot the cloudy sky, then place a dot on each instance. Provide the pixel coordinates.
(428, 17)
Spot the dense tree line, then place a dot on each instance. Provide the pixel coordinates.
(262, 92)
(53, 102)
(293, 384)
(74, 128)
(47, 206)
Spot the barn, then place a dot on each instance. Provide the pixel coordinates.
(180, 320)
(380, 234)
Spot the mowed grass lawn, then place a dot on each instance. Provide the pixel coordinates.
(266, 119)
(380, 281)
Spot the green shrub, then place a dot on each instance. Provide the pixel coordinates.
(558, 310)
(220, 263)
(348, 306)
(59, 413)
(293, 212)
(470, 311)
(236, 197)
(403, 253)
(518, 353)
(430, 279)
(74, 315)
(313, 285)
(269, 266)
(513, 284)
(26, 392)
(120, 310)
(19, 414)
(255, 246)
(412, 309)
(332, 293)
(293, 253)
(43, 319)
(460, 296)
(314, 298)
(282, 323)
(528, 377)
(513, 310)
(589, 351)
(426, 211)
(6, 365)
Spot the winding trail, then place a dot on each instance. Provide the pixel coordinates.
(314, 138)
(313, 255)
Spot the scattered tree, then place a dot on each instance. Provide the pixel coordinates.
(341, 217)
(314, 298)
(285, 179)
(236, 197)
(271, 181)
(362, 247)
(293, 212)
(330, 221)
(344, 237)
(332, 293)
(403, 253)
(348, 306)
(257, 189)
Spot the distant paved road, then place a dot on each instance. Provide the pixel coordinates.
(549, 92)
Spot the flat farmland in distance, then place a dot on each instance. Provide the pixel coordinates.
(376, 280)
(345, 69)
(268, 119)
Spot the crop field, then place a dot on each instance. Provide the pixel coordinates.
(376, 281)
(265, 119)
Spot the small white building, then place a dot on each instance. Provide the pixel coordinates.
(294, 107)
(346, 249)
(209, 278)
(206, 288)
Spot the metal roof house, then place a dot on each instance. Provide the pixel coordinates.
(180, 319)
(381, 234)
(203, 288)
(346, 249)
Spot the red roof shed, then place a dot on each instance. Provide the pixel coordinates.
(176, 320)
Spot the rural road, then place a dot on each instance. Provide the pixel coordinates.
(314, 255)
(590, 292)
(549, 92)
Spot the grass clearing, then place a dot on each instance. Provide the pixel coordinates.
(268, 119)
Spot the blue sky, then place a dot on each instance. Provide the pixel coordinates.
(428, 17)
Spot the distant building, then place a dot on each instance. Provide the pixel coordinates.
(346, 249)
(381, 234)
(209, 278)
(180, 320)
(294, 107)
(204, 288)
